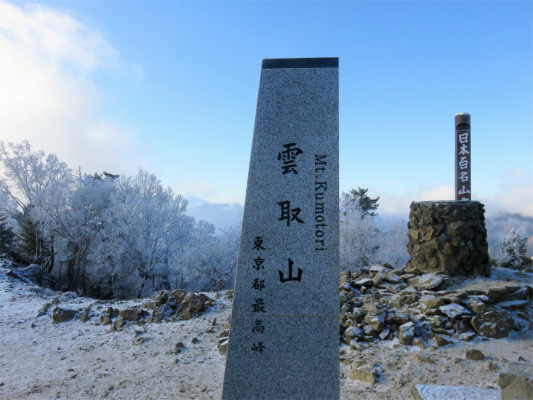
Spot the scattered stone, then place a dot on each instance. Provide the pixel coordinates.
(419, 343)
(43, 310)
(426, 281)
(368, 375)
(138, 341)
(62, 315)
(454, 311)
(516, 382)
(493, 323)
(474, 354)
(467, 336)
(131, 314)
(406, 333)
(422, 359)
(440, 341)
(430, 302)
(353, 333)
(223, 346)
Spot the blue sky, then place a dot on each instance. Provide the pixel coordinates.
(171, 86)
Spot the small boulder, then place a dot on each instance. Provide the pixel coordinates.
(61, 315)
(454, 311)
(493, 323)
(160, 298)
(426, 281)
(223, 346)
(474, 354)
(516, 382)
(353, 333)
(43, 310)
(131, 314)
(406, 333)
(440, 341)
(363, 374)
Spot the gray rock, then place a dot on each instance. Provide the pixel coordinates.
(160, 298)
(406, 333)
(385, 334)
(377, 269)
(475, 305)
(430, 302)
(364, 282)
(119, 323)
(423, 359)
(454, 311)
(358, 314)
(514, 304)
(43, 310)
(353, 333)
(368, 375)
(467, 336)
(223, 346)
(440, 341)
(516, 382)
(131, 314)
(493, 323)
(61, 315)
(419, 343)
(186, 314)
(368, 331)
(474, 354)
(394, 279)
(428, 281)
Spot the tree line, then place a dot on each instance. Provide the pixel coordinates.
(107, 235)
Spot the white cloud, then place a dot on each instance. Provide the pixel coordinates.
(514, 195)
(399, 205)
(47, 96)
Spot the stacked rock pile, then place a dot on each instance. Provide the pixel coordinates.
(162, 307)
(448, 237)
(381, 303)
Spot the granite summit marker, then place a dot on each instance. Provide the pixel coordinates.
(284, 335)
(463, 178)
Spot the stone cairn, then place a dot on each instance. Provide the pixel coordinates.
(448, 237)
(164, 306)
(382, 303)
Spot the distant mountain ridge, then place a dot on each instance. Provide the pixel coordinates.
(220, 215)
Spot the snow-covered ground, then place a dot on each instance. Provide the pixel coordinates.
(77, 360)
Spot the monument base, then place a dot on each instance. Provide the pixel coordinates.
(448, 237)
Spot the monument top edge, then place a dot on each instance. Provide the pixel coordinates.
(445, 201)
(320, 62)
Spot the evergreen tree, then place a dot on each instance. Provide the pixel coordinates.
(29, 238)
(368, 205)
(6, 234)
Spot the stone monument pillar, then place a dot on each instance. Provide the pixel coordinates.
(463, 177)
(284, 334)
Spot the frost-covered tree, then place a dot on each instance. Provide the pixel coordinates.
(513, 252)
(367, 204)
(6, 233)
(393, 242)
(143, 226)
(211, 260)
(34, 182)
(358, 235)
